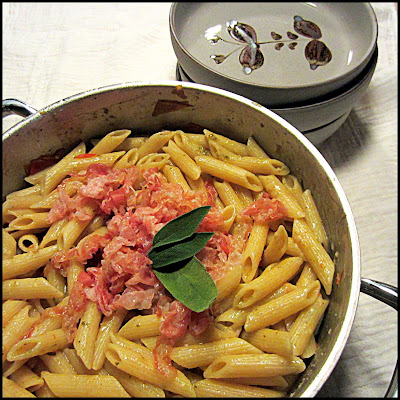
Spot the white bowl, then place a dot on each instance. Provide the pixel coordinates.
(277, 54)
(328, 109)
(319, 120)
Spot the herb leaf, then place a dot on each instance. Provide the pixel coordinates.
(162, 256)
(181, 227)
(190, 283)
(175, 264)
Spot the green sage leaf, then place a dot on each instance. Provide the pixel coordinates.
(190, 283)
(181, 227)
(162, 256)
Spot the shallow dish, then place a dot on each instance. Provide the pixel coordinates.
(148, 107)
(329, 108)
(320, 119)
(274, 53)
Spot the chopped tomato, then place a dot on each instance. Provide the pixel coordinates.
(43, 162)
(265, 209)
(135, 205)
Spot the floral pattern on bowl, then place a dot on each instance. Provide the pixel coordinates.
(251, 57)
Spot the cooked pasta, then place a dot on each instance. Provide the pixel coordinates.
(86, 315)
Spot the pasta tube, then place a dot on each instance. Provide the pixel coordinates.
(229, 172)
(66, 385)
(218, 388)
(253, 365)
(282, 307)
(314, 253)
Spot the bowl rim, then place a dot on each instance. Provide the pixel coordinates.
(343, 92)
(352, 86)
(284, 88)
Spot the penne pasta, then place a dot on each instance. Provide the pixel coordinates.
(153, 160)
(281, 307)
(66, 385)
(134, 386)
(9, 245)
(228, 196)
(109, 325)
(128, 159)
(27, 379)
(200, 355)
(278, 382)
(57, 363)
(12, 389)
(295, 188)
(29, 221)
(314, 253)
(244, 194)
(85, 312)
(27, 262)
(18, 326)
(305, 324)
(270, 341)
(313, 218)
(276, 248)
(254, 250)
(55, 176)
(254, 149)
(132, 363)
(75, 362)
(230, 144)
(182, 160)
(253, 365)
(10, 308)
(154, 143)
(131, 143)
(28, 243)
(29, 288)
(110, 142)
(85, 339)
(230, 283)
(269, 280)
(38, 345)
(218, 388)
(256, 165)
(141, 326)
(186, 143)
(228, 172)
(175, 175)
(279, 191)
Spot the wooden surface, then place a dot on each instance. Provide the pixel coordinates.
(54, 50)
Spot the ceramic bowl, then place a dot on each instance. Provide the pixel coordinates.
(278, 54)
(319, 120)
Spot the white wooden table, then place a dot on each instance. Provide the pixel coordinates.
(54, 50)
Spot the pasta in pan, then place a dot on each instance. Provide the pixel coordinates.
(82, 306)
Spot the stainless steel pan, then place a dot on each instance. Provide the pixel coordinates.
(148, 107)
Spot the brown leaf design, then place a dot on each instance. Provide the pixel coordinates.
(291, 35)
(292, 45)
(278, 46)
(251, 58)
(276, 36)
(317, 54)
(242, 32)
(306, 28)
(218, 58)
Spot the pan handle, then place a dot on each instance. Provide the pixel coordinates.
(17, 107)
(389, 295)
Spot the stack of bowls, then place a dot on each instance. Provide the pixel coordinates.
(307, 62)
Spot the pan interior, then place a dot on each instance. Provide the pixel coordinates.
(132, 106)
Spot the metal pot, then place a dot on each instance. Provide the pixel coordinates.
(148, 107)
